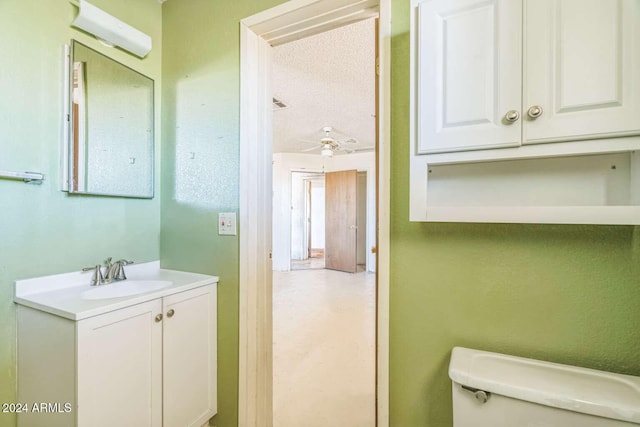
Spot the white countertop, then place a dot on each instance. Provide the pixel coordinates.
(61, 294)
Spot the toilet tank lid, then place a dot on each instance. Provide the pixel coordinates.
(567, 387)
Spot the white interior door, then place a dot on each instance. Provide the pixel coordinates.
(299, 250)
(317, 214)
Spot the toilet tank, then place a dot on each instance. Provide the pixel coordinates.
(496, 390)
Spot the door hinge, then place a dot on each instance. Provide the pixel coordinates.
(377, 66)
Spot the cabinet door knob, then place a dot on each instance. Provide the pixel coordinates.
(535, 112)
(159, 317)
(512, 116)
(170, 313)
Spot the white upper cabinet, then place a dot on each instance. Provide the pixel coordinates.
(582, 68)
(525, 111)
(505, 73)
(469, 64)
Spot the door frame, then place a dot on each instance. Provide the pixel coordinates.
(255, 339)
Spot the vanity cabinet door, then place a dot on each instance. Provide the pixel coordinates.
(120, 367)
(469, 75)
(582, 68)
(189, 357)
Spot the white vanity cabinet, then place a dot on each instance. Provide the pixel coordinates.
(149, 364)
(119, 367)
(189, 357)
(501, 73)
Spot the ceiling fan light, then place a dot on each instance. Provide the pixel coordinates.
(326, 152)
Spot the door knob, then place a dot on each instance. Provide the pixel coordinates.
(171, 312)
(535, 112)
(159, 318)
(512, 116)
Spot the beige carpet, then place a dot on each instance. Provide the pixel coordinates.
(323, 349)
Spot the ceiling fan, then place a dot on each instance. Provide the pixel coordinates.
(328, 145)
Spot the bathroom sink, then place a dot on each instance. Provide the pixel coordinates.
(125, 288)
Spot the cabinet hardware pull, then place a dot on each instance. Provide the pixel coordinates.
(535, 111)
(159, 318)
(170, 313)
(512, 116)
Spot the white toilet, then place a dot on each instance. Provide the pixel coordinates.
(496, 390)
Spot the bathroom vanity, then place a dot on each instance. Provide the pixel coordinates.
(140, 352)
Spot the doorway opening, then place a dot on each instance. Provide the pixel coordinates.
(308, 230)
(307, 220)
(291, 21)
(324, 302)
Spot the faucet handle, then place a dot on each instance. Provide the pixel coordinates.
(119, 274)
(97, 278)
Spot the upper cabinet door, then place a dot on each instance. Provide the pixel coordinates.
(582, 69)
(469, 74)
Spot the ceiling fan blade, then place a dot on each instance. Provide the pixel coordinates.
(350, 150)
(310, 149)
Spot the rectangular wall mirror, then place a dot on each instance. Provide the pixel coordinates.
(111, 121)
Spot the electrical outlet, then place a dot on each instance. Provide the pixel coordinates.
(227, 223)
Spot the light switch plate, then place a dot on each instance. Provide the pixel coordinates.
(227, 223)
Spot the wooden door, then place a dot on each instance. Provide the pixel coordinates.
(340, 220)
(582, 68)
(189, 357)
(469, 55)
(120, 368)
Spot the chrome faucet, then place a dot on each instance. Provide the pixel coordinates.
(112, 272)
(97, 279)
(115, 271)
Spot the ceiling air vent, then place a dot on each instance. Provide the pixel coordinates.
(279, 104)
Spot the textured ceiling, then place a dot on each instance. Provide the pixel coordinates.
(326, 80)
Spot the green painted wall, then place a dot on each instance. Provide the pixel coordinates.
(568, 294)
(201, 63)
(43, 230)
